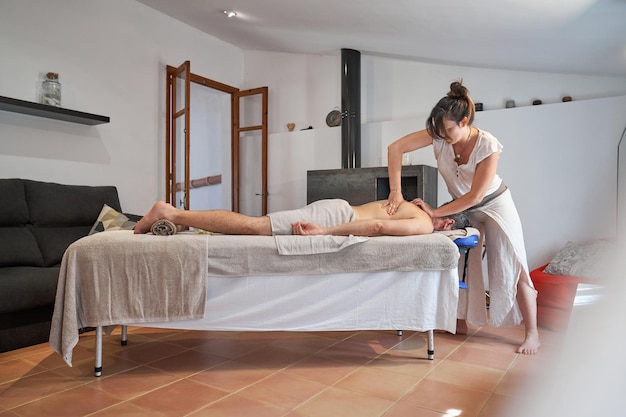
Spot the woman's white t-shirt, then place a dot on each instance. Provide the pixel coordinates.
(459, 178)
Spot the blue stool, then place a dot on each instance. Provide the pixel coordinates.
(465, 244)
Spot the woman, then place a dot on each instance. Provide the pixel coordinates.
(467, 159)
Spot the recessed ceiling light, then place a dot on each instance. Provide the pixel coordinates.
(230, 13)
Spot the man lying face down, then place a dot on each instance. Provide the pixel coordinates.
(323, 217)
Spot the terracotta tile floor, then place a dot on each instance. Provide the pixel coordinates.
(164, 372)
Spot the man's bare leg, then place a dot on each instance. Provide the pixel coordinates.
(527, 300)
(217, 221)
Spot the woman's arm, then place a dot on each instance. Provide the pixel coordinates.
(408, 143)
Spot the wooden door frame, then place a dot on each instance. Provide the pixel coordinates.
(170, 135)
(235, 96)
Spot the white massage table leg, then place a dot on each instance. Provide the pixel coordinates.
(97, 370)
(431, 345)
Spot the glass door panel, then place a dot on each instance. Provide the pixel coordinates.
(210, 162)
(250, 174)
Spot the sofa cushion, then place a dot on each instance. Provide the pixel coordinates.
(25, 287)
(61, 214)
(25, 328)
(53, 241)
(53, 204)
(18, 247)
(13, 210)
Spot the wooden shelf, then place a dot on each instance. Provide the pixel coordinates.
(51, 112)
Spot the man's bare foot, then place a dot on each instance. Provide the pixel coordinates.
(157, 212)
(531, 344)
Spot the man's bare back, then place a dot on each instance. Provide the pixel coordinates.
(375, 211)
(372, 219)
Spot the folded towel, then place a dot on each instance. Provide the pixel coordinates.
(460, 233)
(467, 237)
(164, 228)
(312, 245)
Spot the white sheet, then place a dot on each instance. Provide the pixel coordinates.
(390, 300)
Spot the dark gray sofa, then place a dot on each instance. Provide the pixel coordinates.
(38, 221)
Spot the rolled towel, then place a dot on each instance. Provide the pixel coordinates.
(164, 228)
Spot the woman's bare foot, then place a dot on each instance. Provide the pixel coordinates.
(157, 212)
(531, 344)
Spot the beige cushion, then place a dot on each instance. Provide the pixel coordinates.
(111, 219)
(586, 260)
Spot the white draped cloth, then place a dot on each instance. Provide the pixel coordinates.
(500, 233)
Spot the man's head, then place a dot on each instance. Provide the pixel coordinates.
(453, 221)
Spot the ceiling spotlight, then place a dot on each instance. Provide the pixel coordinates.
(230, 13)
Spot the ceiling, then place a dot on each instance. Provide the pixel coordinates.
(563, 36)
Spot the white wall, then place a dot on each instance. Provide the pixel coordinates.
(111, 57)
(305, 88)
(302, 88)
(396, 90)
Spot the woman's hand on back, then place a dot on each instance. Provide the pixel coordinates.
(424, 206)
(393, 202)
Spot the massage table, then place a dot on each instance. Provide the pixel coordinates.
(254, 283)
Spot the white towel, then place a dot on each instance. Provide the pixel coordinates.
(311, 245)
(459, 233)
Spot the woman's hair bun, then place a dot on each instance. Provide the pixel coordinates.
(458, 90)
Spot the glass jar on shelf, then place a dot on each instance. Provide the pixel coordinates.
(51, 90)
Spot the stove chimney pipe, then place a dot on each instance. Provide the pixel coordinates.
(350, 108)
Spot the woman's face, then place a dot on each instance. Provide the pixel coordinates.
(455, 131)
